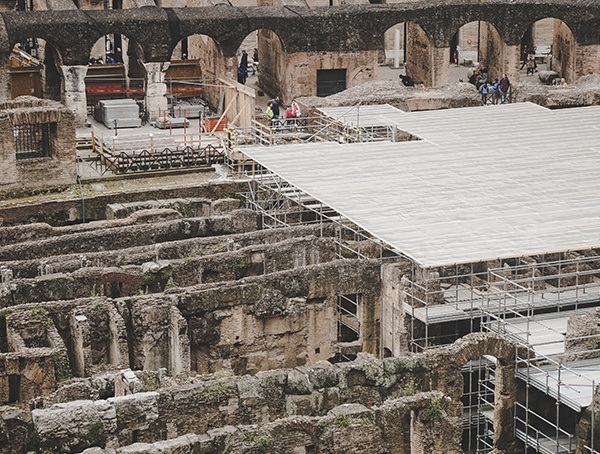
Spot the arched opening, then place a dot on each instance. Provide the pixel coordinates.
(34, 70)
(191, 78)
(193, 66)
(275, 77)
(476, 53)
(478, 401)
(394, 45)
(248, 57)
(548, 45)
(115, 70)
(419, 52)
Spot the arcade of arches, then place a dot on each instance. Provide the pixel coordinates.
(153, 45)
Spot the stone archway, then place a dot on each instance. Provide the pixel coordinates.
(474, 346)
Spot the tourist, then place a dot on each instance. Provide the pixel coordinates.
(296, 109)
(524, 56)
(255, 61)
(504, 86)
(290, 120)
(484, 89)
(269, 113)
(275, 105)
(495, 91)
(530, 66)
(244, 59)
(242, 75)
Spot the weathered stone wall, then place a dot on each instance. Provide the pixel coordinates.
(582, 339)
(34, 173)
(491, 53)
(391, 386)
(299, 71)
(279, 320)
(348, 428)
(36, 369)
(394, 335)
(170, 251)
(272, 59)
(85, 280)
(282, 319)
(133, 235)
(588, 429)
(564, 51)
(61, 211)
(419, 53)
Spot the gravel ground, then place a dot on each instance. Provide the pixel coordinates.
(585, 91)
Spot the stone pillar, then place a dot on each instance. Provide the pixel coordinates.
(440, 67)
(156, 89)
(394, 337)
(512, 62)
(504, 421)
(80, 333)
(73, 91)
(587, 60)
(179, 343)
(8, 153)
(4, 76)
(5, 63)
(118, 353)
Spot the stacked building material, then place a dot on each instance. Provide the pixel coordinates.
(119, 113)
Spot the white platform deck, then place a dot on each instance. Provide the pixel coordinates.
(483, 183)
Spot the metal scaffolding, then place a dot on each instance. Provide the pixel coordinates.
(528, 299)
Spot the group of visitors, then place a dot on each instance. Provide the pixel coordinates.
(242, 72)
(116, 57)
(291, 113)
(528, 60)
(497, 92)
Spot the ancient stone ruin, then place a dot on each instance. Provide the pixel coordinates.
(175, 323)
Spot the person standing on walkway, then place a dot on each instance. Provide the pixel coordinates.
(495, 91)
(255, 61)
(484, 89)
(504, 86)
(275, 105)
(244, 59)
(242, 75)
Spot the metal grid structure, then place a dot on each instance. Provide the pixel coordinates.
(532, 304)
(33, 140)
(445, 298)
(280, 204)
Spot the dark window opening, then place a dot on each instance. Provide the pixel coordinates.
(3, 335)
(33, 140)
(135, 435)
(347, 315)
(184, 48)
(330, 81)
(14, 388)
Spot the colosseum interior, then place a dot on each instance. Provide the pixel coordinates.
(400, 270)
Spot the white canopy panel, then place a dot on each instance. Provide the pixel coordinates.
(483, 183)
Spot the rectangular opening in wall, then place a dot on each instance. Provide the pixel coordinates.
(348, 323)
(330, 81)
(14, 388)
(33, 140)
